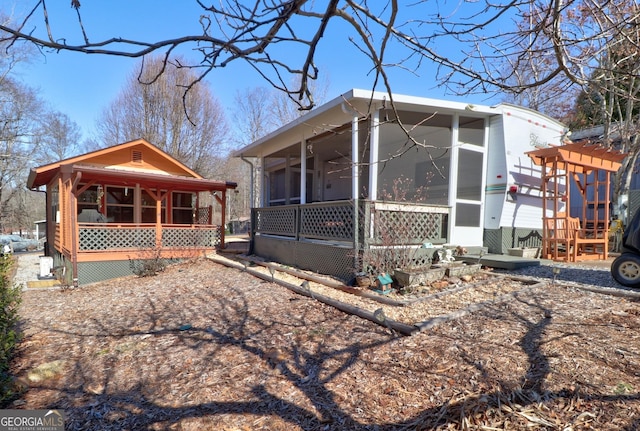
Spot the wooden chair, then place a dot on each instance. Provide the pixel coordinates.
(585, 246)
(558, 238)
(567, 240)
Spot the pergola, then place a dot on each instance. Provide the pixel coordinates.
(567, 238)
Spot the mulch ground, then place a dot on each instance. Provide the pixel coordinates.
(205, 347)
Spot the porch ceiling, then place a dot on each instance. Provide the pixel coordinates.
(339, 111)
(328, 145)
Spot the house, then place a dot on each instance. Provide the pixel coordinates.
(359, 173)
(109, 208)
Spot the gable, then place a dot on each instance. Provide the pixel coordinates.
(139, 157)
(134, 156)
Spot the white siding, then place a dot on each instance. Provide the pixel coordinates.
(525, 130)
(496, 174)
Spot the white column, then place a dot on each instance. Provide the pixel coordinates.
(355, 184)
(303, 171)
(453, 173)
(261, 185)
(355, 168)
(373, 155)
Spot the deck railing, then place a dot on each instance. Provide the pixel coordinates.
(102, 237)
(378, 223)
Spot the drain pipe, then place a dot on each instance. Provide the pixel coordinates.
(251, 199)
(251, 180)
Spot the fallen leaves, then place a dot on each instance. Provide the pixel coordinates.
(202, 346)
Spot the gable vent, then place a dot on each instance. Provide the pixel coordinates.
(136, 156)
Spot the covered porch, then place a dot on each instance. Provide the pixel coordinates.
(356, 174)
(111, 208)
(116, 215)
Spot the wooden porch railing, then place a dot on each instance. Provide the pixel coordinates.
(377, 223)
(103, 237)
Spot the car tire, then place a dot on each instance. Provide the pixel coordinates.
(625, 269)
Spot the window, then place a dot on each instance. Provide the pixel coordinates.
(120, 204)
(295, 187)
(90, 199)
(277, 194)
(148, 207)
(467, 215)
(55, 204)
(421, 174)
(183, 207)
(470, 165)
(471, 131)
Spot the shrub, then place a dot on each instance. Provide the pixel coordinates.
(10, 297)
(149, 264)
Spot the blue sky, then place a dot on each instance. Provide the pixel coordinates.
(82, 85)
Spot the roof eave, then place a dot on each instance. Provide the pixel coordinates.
(355, 95)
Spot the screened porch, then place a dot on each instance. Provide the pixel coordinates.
(356, 174)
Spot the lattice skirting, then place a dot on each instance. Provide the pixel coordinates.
(93, 272)
(498, 241)
(320, 258)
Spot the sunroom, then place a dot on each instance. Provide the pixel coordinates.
(376, 175)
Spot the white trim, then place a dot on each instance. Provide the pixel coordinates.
(303, 171)
(355, 168)
(384, 206)
(453, 173)
(373, 155)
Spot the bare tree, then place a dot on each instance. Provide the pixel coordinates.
(463, 42)
(284, 110)
(59, 137)
(258, 111)
(253, 116)
(616, 87)
(555, 97)
(20, 112)
(190, 126)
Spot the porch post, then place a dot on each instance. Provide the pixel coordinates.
(223, 202)
(75, 234)
(355, 185)
(303, 172)
(453, 174)
(137, 204)
(355, 168)
(159, 217)
(373, 155)
(260, 183)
